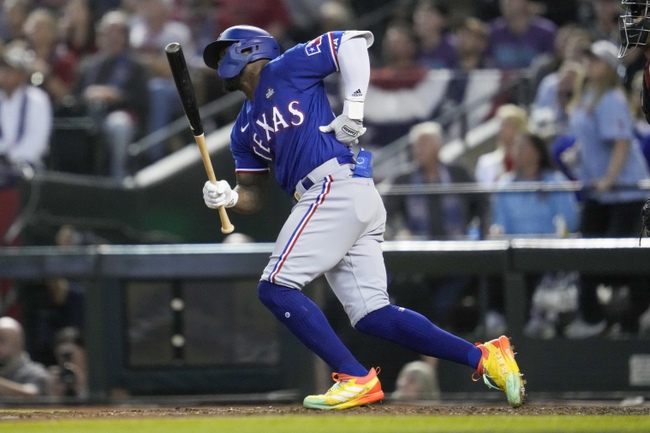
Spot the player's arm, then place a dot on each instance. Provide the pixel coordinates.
(354, 64)
(252, 191)
(248, 196)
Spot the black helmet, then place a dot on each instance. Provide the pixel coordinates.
(634, 25)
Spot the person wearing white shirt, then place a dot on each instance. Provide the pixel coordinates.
(25, 113)
(490, 166)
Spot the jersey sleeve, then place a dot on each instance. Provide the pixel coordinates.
(246, 161)
(310, 62)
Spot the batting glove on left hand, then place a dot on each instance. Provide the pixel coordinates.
(347, 130)
(219, 194)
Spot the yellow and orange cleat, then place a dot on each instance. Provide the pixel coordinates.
(500, 370)
(347, 392)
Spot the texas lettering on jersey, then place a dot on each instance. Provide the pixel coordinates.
(273, 121)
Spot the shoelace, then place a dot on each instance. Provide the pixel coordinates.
(488, 381)
(339, 381)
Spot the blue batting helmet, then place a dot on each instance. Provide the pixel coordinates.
(245, 44)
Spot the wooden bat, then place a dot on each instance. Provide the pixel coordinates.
(185, 89)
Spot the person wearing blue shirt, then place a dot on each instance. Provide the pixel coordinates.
(610, 167)
(533, 213)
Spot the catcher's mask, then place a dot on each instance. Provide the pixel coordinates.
(242, 45)
(634, 25)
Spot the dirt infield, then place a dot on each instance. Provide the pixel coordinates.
(574, 408)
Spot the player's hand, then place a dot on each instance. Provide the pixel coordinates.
(347, 130)
(219, 194)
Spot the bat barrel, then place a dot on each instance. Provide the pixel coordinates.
(181, 75)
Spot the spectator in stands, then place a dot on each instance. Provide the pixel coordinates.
(270, 15)
(533, 213)
(610, 167)
(490, 166)
(417, 380)
(25, 124)
(19, 375)
(549, 115)
(55, 65)
(609, 155)
(69, 376)
(399, 66)
(472, 38)
(334, 15)
(433, 216)
(66, 296)
(77, 27)
(112, 85)
(436, 49)
(14, 14)
(200, 16)
(568, 39)
(398, 70)
(103, 6)
(26, 115)
(604, 24)
(152, 29)
(518, 35)
(556, 96)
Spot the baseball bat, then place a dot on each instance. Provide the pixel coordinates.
(185, 89)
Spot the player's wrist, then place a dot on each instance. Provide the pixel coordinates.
(353, 109)
(234, 198)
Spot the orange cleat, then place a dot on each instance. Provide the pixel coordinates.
(348, 391)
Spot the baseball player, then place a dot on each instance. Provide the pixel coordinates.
(634, 25)
(336, 226)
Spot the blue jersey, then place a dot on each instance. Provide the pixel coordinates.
(290, 103)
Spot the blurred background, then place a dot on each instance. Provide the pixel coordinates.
(116, 283)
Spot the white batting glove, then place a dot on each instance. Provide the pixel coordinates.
(219, 194)
(347, 130)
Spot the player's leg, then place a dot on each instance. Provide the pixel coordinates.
(359, 282)
(310, 242)
(307, 322)
(494, 360)
(318, 233)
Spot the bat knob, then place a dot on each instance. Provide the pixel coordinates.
(173, 47)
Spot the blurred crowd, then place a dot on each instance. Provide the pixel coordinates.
(81, 80)
(97, 78)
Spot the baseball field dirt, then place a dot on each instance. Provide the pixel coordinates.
(536, 409)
